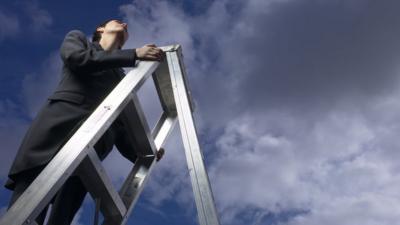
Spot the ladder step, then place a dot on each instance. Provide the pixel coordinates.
(163, 129)
(99, 185)
(134, 185)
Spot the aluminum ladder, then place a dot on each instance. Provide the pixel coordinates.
(77, 156)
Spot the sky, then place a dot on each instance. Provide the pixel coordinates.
(297, 103)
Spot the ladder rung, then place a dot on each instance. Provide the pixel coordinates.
(99, 185)
(134, 184)
(162, 129)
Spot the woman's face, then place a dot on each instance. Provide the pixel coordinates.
(119, 28)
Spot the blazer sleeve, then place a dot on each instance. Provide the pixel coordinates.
(79, 55)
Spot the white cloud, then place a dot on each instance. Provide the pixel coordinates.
(2, 211)
(159, 23)
(302, 110)
(308, 129)
(37, 86)
(40, 19)
(335, 167)
(14, 22)
(9, 25)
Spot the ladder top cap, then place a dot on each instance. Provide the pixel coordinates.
(171, 48)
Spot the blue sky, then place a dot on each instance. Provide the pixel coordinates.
(298, 103)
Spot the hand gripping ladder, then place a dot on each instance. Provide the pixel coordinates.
(77, 156)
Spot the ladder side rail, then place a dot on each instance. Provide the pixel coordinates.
(45, 186)
(206, 209)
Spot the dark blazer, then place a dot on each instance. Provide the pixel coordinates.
(88, 74)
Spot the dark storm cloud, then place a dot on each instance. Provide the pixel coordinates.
(300, 90)
(313, 53)
(252, 67)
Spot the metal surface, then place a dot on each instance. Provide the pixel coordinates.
(162, 82)
(201, 186)
(44, 187)
(134, 185)
(162, 129)
(78, 157)
(138, 177)
(170, 48)
(99, 186)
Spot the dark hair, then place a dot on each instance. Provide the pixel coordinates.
(96, 34)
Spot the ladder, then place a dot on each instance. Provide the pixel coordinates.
(78, 156)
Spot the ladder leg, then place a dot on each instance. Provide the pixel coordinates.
(201, 186)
